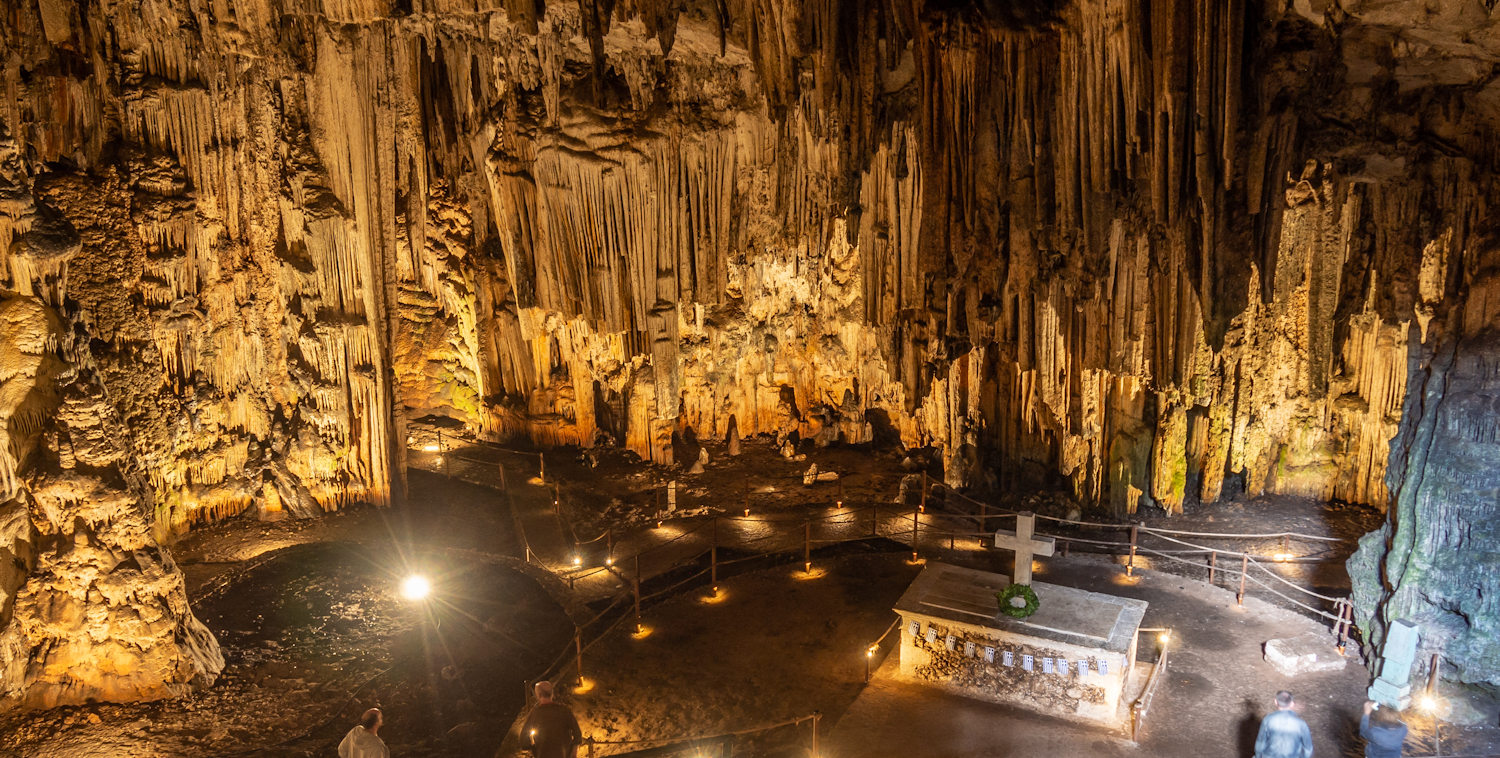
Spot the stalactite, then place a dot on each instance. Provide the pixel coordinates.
(1101, 244)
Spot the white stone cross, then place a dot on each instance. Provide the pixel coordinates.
(1025, 545)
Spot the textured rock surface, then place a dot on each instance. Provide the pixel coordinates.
(1149, 252)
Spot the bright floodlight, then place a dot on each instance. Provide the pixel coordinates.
(1427, 703)
(415, 588)
(431, 448)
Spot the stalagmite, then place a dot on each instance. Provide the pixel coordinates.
(733, 434)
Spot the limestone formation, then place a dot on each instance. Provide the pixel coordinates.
(1153, 253)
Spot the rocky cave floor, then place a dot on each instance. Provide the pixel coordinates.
(313, 630)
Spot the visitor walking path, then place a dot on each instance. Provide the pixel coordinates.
(609, 565)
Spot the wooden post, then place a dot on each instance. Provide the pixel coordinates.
(869, 656)
(1213, 560)
(542, 470)
(914, 522)
(874, 521)
(807, 546)
(923, 506)
(637, 593)
(1244, 572)
(591, 747)
(984, 516)
(1065, 548)
(713, 557)
(1348, 616)
(841, 491)
(1286, 548)
(578, 645)
(658, 502)
(815, 717)
(442, 453)
(609, 537)
(503, 486)
(557, 499)
(1130, 567)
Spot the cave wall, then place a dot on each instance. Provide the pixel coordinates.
(1150, 252)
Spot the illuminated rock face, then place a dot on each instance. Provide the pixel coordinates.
(1152, 260)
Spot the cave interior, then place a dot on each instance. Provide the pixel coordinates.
(296, 295)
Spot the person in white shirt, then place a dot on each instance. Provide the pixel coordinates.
(362, 741)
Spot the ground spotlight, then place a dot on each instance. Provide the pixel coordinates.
(430, 448)
(415, 588)
(1428, 703)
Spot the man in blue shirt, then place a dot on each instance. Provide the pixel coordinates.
(1283, 734)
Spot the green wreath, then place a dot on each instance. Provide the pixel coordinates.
(1009, 608)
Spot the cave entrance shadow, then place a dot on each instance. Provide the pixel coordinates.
(685, 445)
(883, 433)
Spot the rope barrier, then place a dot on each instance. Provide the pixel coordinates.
(1248, 576)
(1298, 535)
(1255, 563)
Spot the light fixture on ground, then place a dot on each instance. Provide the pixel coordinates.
(430, 448)
(415, 588)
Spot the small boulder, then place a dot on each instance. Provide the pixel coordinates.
(1303, 654)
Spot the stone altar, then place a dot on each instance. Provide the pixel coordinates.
(1074, 658)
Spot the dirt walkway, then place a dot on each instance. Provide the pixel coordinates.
(611, 512)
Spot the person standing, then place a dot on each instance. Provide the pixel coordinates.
(362, 741)
(1383, 730)
(550, 730)
(1283, 734)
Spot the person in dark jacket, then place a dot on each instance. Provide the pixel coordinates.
(1282, 733)
(550, 730)
(1382, 730)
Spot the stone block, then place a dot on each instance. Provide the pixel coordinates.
(1304, 654)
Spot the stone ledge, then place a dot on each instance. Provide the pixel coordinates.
(1303, 654)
